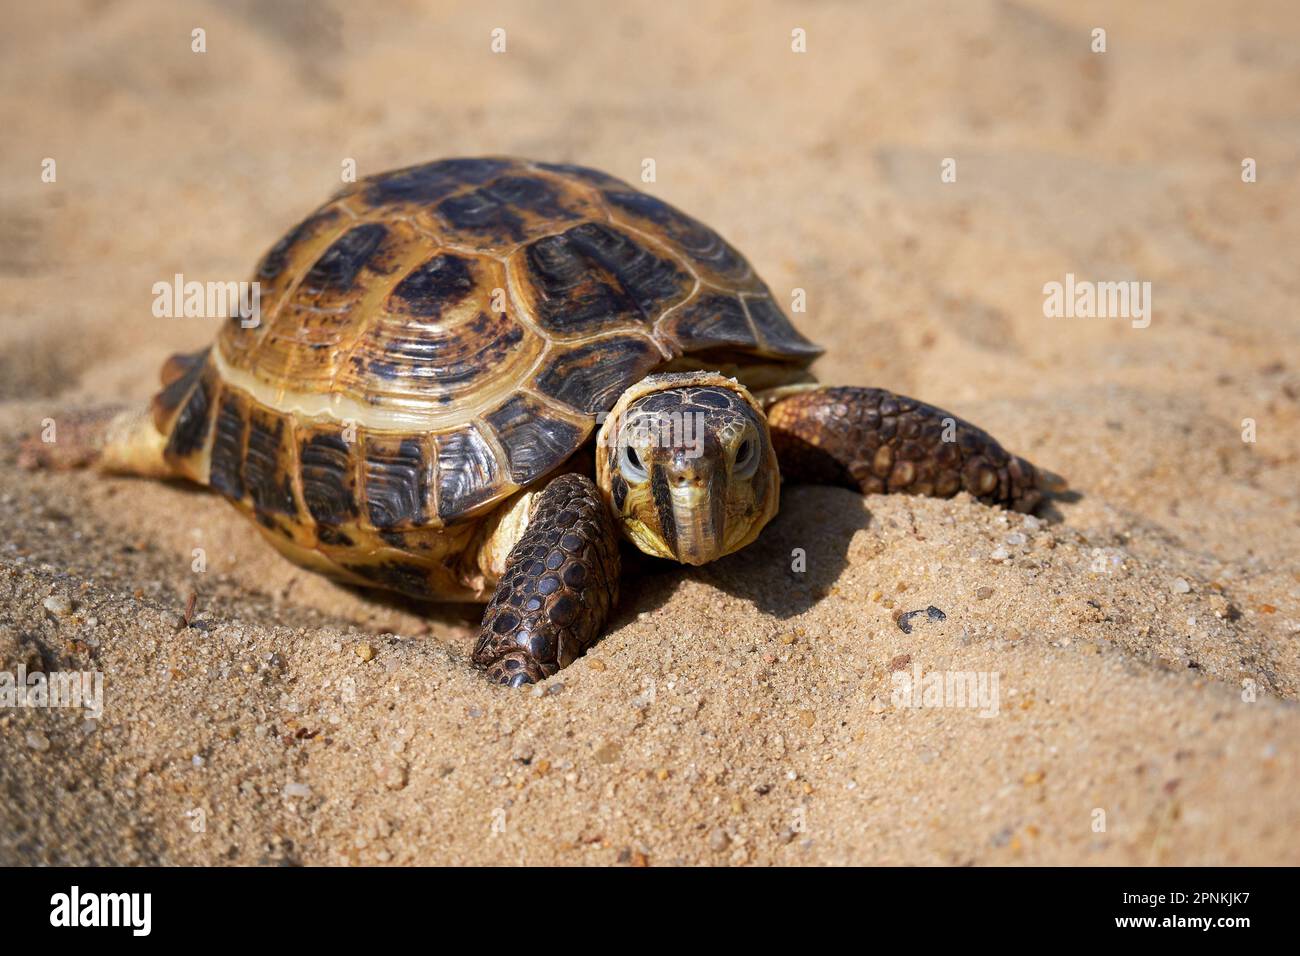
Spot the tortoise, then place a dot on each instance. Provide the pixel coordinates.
(469, 379)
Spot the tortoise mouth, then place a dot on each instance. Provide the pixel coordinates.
(698, 527)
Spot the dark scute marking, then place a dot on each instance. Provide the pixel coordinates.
(467, 472)
(534, 442)
(663, 500)
(776, 329)
(591, 377)
(495, 209)
(190, 368)
(573, 296)
(592, 275)
(432, 181)
(227, 450)
(619, 487)
(712, 319)
(431, 286)
(480, 212)
(190, 430)
(409, 579)
(416, 357)
(326, 464)
(396, 482)
(338, 265)
(531, 194)
(586, 174)
(650, 280)
(522, 191)
(267, 481)
(277, 257)
(696, 239)
(328, 534)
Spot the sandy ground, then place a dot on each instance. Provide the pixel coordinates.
(1144, 636)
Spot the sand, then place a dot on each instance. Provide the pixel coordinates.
(1144, 635)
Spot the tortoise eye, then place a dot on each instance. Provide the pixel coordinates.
(746, 459)
(629, 463)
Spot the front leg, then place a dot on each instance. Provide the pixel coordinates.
(874, 441)
(559, 586)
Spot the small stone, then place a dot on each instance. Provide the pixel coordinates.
(295, 789)
(607, 752)
(366, 652)
(900, 662)
(1181, 586)
(1031, 523)
(983, 594)
(37, 741)
(1030, 779)
(807, 718)
(1015, 539)
(787, 637)
(999, 554)
(718, 840)
(394, 776)
(596, 664)
(58, 605)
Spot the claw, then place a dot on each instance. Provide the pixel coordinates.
(515, 670)
(1051, 482)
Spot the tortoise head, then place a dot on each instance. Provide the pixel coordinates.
(685, 462)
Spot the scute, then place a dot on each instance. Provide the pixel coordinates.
(594, 278)
(533, 436)
(470, 317)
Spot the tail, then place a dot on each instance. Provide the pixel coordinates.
(116, 439)
(112, 438)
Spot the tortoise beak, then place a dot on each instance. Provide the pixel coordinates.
(692, 513)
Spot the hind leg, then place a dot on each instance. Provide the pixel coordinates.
(113, 438)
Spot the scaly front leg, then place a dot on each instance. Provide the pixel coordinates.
(874, 441)
(559, 586)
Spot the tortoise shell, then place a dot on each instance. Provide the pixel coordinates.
(436, 338)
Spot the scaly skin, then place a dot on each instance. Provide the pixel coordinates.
(560, 584)
(874, 441)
